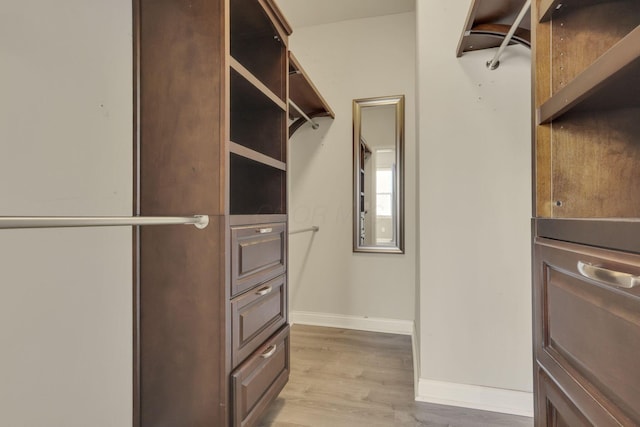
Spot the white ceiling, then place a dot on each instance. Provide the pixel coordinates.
(303, 13)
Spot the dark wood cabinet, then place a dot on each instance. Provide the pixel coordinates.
(256, 315)
(258, 253)
(586, 262)
(259, 379)
(211, 91)
(587, 336)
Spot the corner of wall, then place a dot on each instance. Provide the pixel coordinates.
(476, 397)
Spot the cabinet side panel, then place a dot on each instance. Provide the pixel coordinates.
(541, 80)
(181, 336)
(182, 101)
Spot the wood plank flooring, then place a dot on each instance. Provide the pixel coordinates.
(347, 378)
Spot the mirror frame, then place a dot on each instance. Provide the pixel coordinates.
(358, 105)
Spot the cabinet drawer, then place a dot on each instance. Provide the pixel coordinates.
(554, 409)
(256, 315)
(258, 381)
(587, 331)
(258, 253)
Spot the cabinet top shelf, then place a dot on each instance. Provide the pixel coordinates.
(489, 21)
(304, 94)
(612, 81)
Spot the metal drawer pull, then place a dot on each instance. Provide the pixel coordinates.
(264, 230)
(269, 352)
(264, 291)
(610, 277)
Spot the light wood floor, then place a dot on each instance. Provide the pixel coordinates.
(347, 378)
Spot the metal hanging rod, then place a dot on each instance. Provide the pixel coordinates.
(314, 125)
(304, 230)
(7, 222)
(495, 62)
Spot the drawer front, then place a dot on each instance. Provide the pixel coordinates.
(588, 327)
(258, 253)
(256, 315)
(554, 409)
(257, 382)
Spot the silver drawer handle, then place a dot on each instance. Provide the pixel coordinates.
(269, 352)
(264, 291)
(610, 277)
(264, 230)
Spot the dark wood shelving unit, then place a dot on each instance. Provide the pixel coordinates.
(586, 225)
(305, 95)
(489, 21)
(612, 81)
(212, 316)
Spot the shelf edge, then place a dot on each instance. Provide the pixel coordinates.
(602, 71)
(248, 76)
(293, 62)
(256, 156)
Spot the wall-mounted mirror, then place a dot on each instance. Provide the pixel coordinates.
(378, 174)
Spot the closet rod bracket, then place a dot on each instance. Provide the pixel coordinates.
(314, 125)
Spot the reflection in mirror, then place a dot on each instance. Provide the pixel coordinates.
(378, 148)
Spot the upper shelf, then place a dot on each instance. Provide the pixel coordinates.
(305, 95)
(489, 21)
(612, 81)
(548, 7)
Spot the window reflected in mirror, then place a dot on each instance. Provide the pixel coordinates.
(378, 129)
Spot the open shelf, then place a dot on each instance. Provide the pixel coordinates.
(594, 172)
(489, 21)
(612, 81)
(305, 95)
(257, 122)
(248, 153)
(250, 78)
(256, 188)
(257, 44)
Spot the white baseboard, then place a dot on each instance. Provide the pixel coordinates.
(371, 324)
(416, 358)
(475, 397)
(431, 391)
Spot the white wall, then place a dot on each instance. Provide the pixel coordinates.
(347, 60)
(65, 149)
(475, 205)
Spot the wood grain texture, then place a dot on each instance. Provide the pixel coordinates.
(595, 158)
(581, 35)
(541, 81)
(347, 378)
(181, 52)
(572, 314)
(304, 93)
(181, 310)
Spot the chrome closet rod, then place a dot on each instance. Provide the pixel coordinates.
(7, 222)
(314, 125)
(493, 64)
(304, 230)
